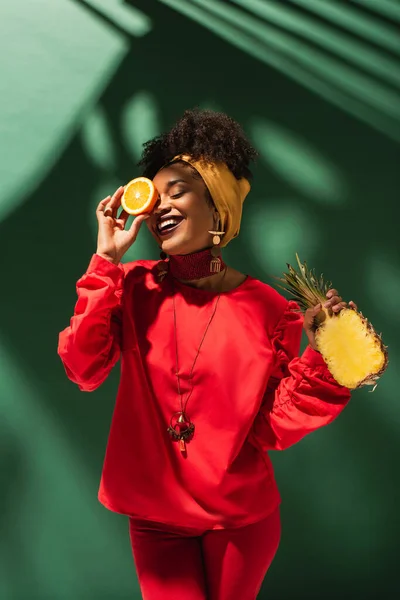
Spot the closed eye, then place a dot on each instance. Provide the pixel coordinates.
(178, 195)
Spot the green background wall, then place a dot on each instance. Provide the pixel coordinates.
(315, 85)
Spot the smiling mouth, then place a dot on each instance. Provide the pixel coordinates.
(167, 226)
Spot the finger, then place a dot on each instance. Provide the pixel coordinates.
(310, 315)
(112, 206)
(316, 309)
(134, 228)
(122, 218)
(335, 296)
(334, 300)
(332, 292)
(338, 307)
(116, 197)
(101, 206)
(311, 312)
(353, 305)
(102, 203)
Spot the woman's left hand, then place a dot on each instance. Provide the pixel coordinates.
(334, 302)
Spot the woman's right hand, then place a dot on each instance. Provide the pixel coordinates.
(113, 239)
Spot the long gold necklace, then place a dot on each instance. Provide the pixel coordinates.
(181, 428)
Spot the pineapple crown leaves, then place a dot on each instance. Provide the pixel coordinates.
(306, 288)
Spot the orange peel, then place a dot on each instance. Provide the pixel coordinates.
(139, 197)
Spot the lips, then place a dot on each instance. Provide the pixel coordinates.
(168, 224)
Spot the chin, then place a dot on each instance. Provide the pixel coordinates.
(176, 249)
(178, 246)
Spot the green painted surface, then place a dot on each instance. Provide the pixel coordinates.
(83, 84)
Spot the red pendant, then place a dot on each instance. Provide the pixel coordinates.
(181, 429)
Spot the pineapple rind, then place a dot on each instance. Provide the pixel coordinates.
(352, 350)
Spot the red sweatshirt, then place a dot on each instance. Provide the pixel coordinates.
(251, 392)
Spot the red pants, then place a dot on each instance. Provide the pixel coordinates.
(222, 564)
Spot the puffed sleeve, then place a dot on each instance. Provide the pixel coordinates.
(301, 395)
(90, 346)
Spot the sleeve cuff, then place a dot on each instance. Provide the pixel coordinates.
(101, 266)
(312, 358)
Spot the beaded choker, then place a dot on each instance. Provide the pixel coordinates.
(188, 267)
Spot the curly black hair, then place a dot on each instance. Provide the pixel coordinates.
(204, 134)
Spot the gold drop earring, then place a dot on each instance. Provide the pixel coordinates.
(215, 264)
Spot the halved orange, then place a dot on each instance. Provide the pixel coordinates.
(140, 196)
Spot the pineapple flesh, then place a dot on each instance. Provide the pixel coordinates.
(352, 350)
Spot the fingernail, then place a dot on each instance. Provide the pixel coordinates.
(327, 304)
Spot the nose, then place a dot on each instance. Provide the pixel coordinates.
(162, 204)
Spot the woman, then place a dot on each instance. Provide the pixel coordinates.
(210, 374)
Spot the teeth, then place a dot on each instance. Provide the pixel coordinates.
(164, 224)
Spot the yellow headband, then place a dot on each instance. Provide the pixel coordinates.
(227, 192)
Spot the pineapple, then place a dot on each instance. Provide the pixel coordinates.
(352, 350)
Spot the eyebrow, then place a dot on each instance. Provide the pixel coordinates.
(173, 182)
